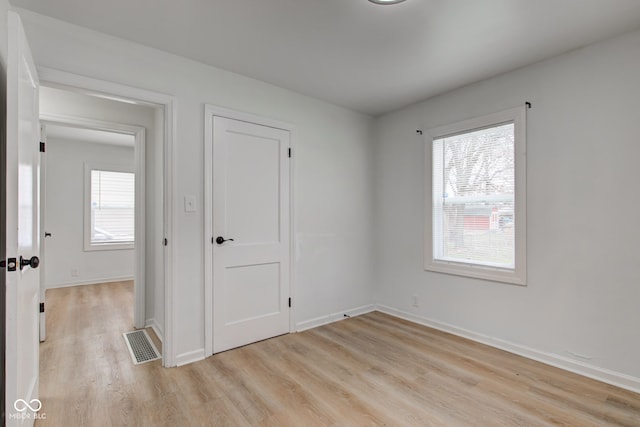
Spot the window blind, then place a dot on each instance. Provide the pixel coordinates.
(112, 207)
(473, 197)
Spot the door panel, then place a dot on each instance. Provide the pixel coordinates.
(261, 282)
(23, 174)
(259, 157)
(250, 206)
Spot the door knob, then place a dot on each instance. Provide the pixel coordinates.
(220, 240)
(33, 262)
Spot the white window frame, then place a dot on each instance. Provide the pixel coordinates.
(88, 245)
(516, 275)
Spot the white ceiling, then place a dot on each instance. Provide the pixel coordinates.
(68, 133)
(366, 57)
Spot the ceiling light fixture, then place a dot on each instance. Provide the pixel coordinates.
(386, 1)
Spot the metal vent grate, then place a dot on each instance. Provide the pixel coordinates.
(141, 347)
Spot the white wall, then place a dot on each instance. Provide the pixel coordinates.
(583, 147)
(64, 102)
(332, 168)
(64, 215)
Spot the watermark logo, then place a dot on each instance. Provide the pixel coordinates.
(22, 405)
(33, 408)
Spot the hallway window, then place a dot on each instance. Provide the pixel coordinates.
(110, 209)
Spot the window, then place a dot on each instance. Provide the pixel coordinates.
(109, 209)
(475, 202)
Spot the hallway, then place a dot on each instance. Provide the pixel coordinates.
(86, 373)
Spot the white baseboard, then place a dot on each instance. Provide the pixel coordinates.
(197, 355)
(153, 324)
(330, 318)
(89, 282)
(601, 374)
(190, 357)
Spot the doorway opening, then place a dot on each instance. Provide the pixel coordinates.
(94, 198)
(160, 187)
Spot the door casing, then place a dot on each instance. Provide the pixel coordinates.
(43, 227)
(57, 78)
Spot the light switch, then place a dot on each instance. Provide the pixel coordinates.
(189, 203)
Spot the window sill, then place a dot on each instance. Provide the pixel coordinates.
(477, 272)
(108, 247)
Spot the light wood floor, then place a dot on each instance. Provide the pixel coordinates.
(369, 370)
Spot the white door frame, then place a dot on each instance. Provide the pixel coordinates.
(209, 112)
(70, 81)
(43, 228)
(138, 132)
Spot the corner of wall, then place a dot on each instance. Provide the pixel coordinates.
(156, 326)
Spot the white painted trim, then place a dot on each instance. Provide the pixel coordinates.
(92, 86)
(209, 112)
(517, 275)
(157, 328)
(334, 317)
(293, 135)
(94, 281)
(169, 213)
(167, 102)
(43, 230)
(208, 231)
(139, 133)
(578, 367)
(190, 357)
(85, 123)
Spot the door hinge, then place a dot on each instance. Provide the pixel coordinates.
(289, 302)
(41, 307)
(165, 241)
(289, 152)
(42, 147)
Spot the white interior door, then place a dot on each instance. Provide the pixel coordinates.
(23, 234)
(251, 213)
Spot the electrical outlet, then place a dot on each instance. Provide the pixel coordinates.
(414, 301)
(74, 272)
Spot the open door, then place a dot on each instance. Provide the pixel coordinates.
(23, 234)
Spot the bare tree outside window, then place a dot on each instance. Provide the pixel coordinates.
(474, 196)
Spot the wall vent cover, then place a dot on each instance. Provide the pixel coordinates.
(141, 347)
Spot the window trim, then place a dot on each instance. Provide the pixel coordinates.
(88, 245)
(518, 274)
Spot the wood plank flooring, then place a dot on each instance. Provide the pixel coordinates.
(369, 370)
